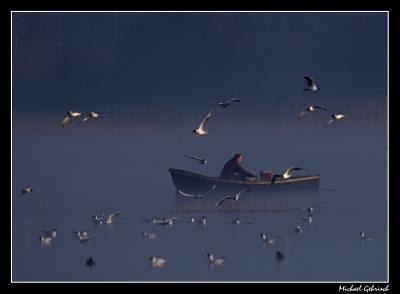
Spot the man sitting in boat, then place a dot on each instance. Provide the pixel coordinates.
(233, 171)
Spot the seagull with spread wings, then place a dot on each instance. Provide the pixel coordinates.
(334, 118)
(200, 160)
(201, 131)
(110, 218)
(228, 103)
(70, 115)
(311, 84)
(196, 196)
(287, 174)
(310, 108)
(236, 197)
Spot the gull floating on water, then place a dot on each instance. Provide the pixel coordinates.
(26, 190)
(149, 236)
(200, 160)
(279, 256)
(298, 230)
(228, 103)
(308, 219)
(83, 236)
(195, 196)
(47, 236)
(203, 221)
(266, 239)
(70, 115)
(311, 84)
(157, 262)
(218, 261)
(90, 262)
(364, 237)
(165, 221)
(201, 128)
(310, 108)
(334, 118)
(287, 174)
(236, 197)
(192, 220)
(99, 220)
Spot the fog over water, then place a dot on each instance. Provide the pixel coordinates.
(79, 172)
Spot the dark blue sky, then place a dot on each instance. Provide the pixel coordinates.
(157, 62)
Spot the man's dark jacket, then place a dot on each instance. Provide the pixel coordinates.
(231, 168)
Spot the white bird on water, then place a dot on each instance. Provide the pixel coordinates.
(83, 236)
(26, 190)
(236, 197)
(70, 115)
(149, 236)
(364, 237)
(196, 196)
(311, 84)
(228, 103)
(203, 221)
(266, 239)
(310, 108)
(200, 160)
(287, 174)
(157, 262)
(165, 221)
(308, 219)
(99, 220)
(298, 230)
(47, 236)
(334, 118)
(279, 256)
(201, 131)
(218, 261)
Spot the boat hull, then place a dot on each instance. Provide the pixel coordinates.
(195, 183)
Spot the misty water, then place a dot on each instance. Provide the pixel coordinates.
(79, 172)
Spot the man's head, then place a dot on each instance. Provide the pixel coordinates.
(238, 157)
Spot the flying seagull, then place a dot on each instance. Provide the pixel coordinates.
(195, 196)
(91, 115)
(157, 262)
(311, 85)
(201, 128)
(233, 198)
(334, 118)
(228, 103)
(287, 174)
(200, 160)
(310, 108)
(26, 190)
(70, 115)
(215, 260)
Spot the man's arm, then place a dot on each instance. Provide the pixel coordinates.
(242, 171)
